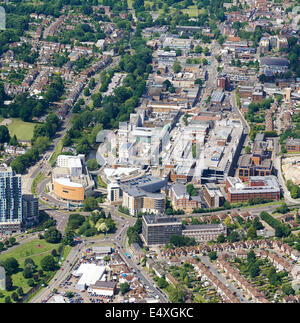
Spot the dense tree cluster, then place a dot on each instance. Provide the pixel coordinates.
(293, 188)
(281, 230)
(40, 141)
(134, 232)
(52, 235)
(180, 241)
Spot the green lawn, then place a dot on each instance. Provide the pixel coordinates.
(101, 182)
(40, 176)
(192, 11)
(57, 152)
(35, 249)
(23, 130)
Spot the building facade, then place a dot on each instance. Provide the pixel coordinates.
(30, 205)
(213, 195)
(158, 230)
(181, 199)
(10, 201)
(265, 187)
(204, 232)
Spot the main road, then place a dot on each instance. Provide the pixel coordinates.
(117, 239)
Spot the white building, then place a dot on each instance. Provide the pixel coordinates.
(74, 163)
(89, 274)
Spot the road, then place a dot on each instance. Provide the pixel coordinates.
(222, 279)
(118, 240)
(43, 165)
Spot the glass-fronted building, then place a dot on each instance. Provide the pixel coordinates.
(10, 201)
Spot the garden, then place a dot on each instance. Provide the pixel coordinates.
(274, 284)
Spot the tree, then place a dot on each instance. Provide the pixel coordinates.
(52, 235)
(254, 270)
(251, 258)
(198, 49)
(283, 209)
(9, 283)
(124, 288)
(14, 141)
(12, 240)
(20, 291)
(106, 258)
(233, 237)
(257, 224)
(288, 289)
(11, 265)
(92, 164)
(221, 238)
(28, 272)
(69, 294)
(15, 296)
(86, 92)
(176, 294)
(48, 263)
(206, 51)
(90, 204)
(212, 255)
(69, 238)
(191, 190)
(75, 221)
(4, 135)
(251, 233)
(30, 282)
(199, 82)
(162, 283)
(176, 67)
(295, 191)
(247, 149)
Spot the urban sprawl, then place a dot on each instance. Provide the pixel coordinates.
(150, 151)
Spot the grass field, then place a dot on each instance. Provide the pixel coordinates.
(35, 249)
(23, 130)
(192, 11)
(57, 152)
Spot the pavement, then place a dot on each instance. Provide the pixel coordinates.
(205, 260)
(118, 239)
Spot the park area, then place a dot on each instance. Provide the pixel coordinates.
(36, 250)
(23, 130)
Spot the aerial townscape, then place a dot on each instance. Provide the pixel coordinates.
(150, 151)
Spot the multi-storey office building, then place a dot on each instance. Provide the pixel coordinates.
(158, 230)
(10, 201)
(266, 187)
